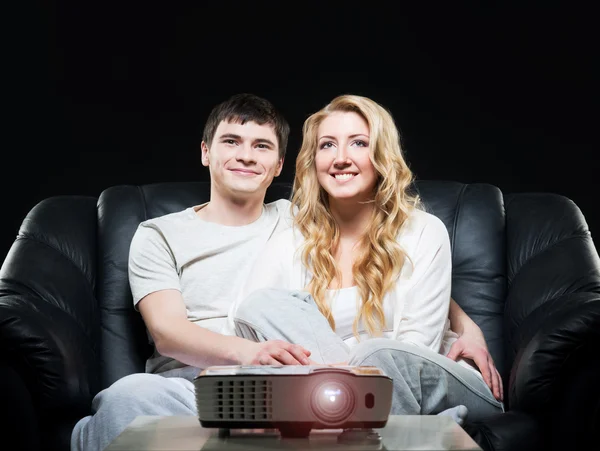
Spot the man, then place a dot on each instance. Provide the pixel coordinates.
(186, 269)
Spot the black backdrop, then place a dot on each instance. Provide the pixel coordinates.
(104, 94)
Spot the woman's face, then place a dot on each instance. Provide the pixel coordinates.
(342, 159)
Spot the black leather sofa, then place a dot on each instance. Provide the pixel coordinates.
(525, 269)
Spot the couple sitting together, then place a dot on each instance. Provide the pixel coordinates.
(352, 271)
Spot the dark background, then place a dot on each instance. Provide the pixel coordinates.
(104, 94)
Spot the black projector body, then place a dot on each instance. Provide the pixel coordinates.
(293, 399)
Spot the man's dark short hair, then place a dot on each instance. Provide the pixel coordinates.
(242, 108)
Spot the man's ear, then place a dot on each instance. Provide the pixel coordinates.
(204, 148)
(279, 167)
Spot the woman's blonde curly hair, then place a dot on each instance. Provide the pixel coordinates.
(379, 257)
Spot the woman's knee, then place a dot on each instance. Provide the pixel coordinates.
(254, 304)
(265, 302)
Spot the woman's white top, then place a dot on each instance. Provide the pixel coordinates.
(344, 304)
(416, 309)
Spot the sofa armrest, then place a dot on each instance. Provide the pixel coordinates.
(569, 324)
(51, 352)
(20, 420)
(510, 431)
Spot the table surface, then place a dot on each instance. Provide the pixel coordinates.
(178, 433)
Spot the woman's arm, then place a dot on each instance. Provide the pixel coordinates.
(471, 345)
(423, 298)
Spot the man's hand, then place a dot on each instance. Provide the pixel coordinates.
(471, 346)
(276, 352)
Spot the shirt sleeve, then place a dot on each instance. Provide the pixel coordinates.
(152, 265)
(425, 299)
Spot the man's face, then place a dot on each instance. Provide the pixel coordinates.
(243, 159)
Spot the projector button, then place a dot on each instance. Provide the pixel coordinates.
(369, 400)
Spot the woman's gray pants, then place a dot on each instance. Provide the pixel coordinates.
(425, 382)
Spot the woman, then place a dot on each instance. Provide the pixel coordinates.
(363, 277)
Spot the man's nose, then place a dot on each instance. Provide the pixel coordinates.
(245, 153)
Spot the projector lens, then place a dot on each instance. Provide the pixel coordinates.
(332, 402)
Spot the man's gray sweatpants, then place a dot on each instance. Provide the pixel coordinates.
(137, 394)
(425, 382)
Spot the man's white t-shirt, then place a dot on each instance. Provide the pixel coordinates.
(207, 262)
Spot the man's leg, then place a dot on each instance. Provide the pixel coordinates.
(275, 314)
(118, 405)
(426, 382)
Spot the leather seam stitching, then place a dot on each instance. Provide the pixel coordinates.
(541, 252)
(35, 238)
(456, 214)
(143, 198)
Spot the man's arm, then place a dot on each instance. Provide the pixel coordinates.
(154, 280)
(174, 336)
(471, 345)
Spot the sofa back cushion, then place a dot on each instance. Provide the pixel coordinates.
(475, 219)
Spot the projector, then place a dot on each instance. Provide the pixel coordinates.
(293, 399)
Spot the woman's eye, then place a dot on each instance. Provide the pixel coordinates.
(360, 143)
(326, 145)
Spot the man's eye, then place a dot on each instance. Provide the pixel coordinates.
(230, 141)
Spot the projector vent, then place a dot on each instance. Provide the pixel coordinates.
(238, 399)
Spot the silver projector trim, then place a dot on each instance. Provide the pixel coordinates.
(316, 397)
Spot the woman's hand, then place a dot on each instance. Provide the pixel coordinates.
(471, 345)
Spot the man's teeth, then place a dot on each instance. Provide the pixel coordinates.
(343, 176)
